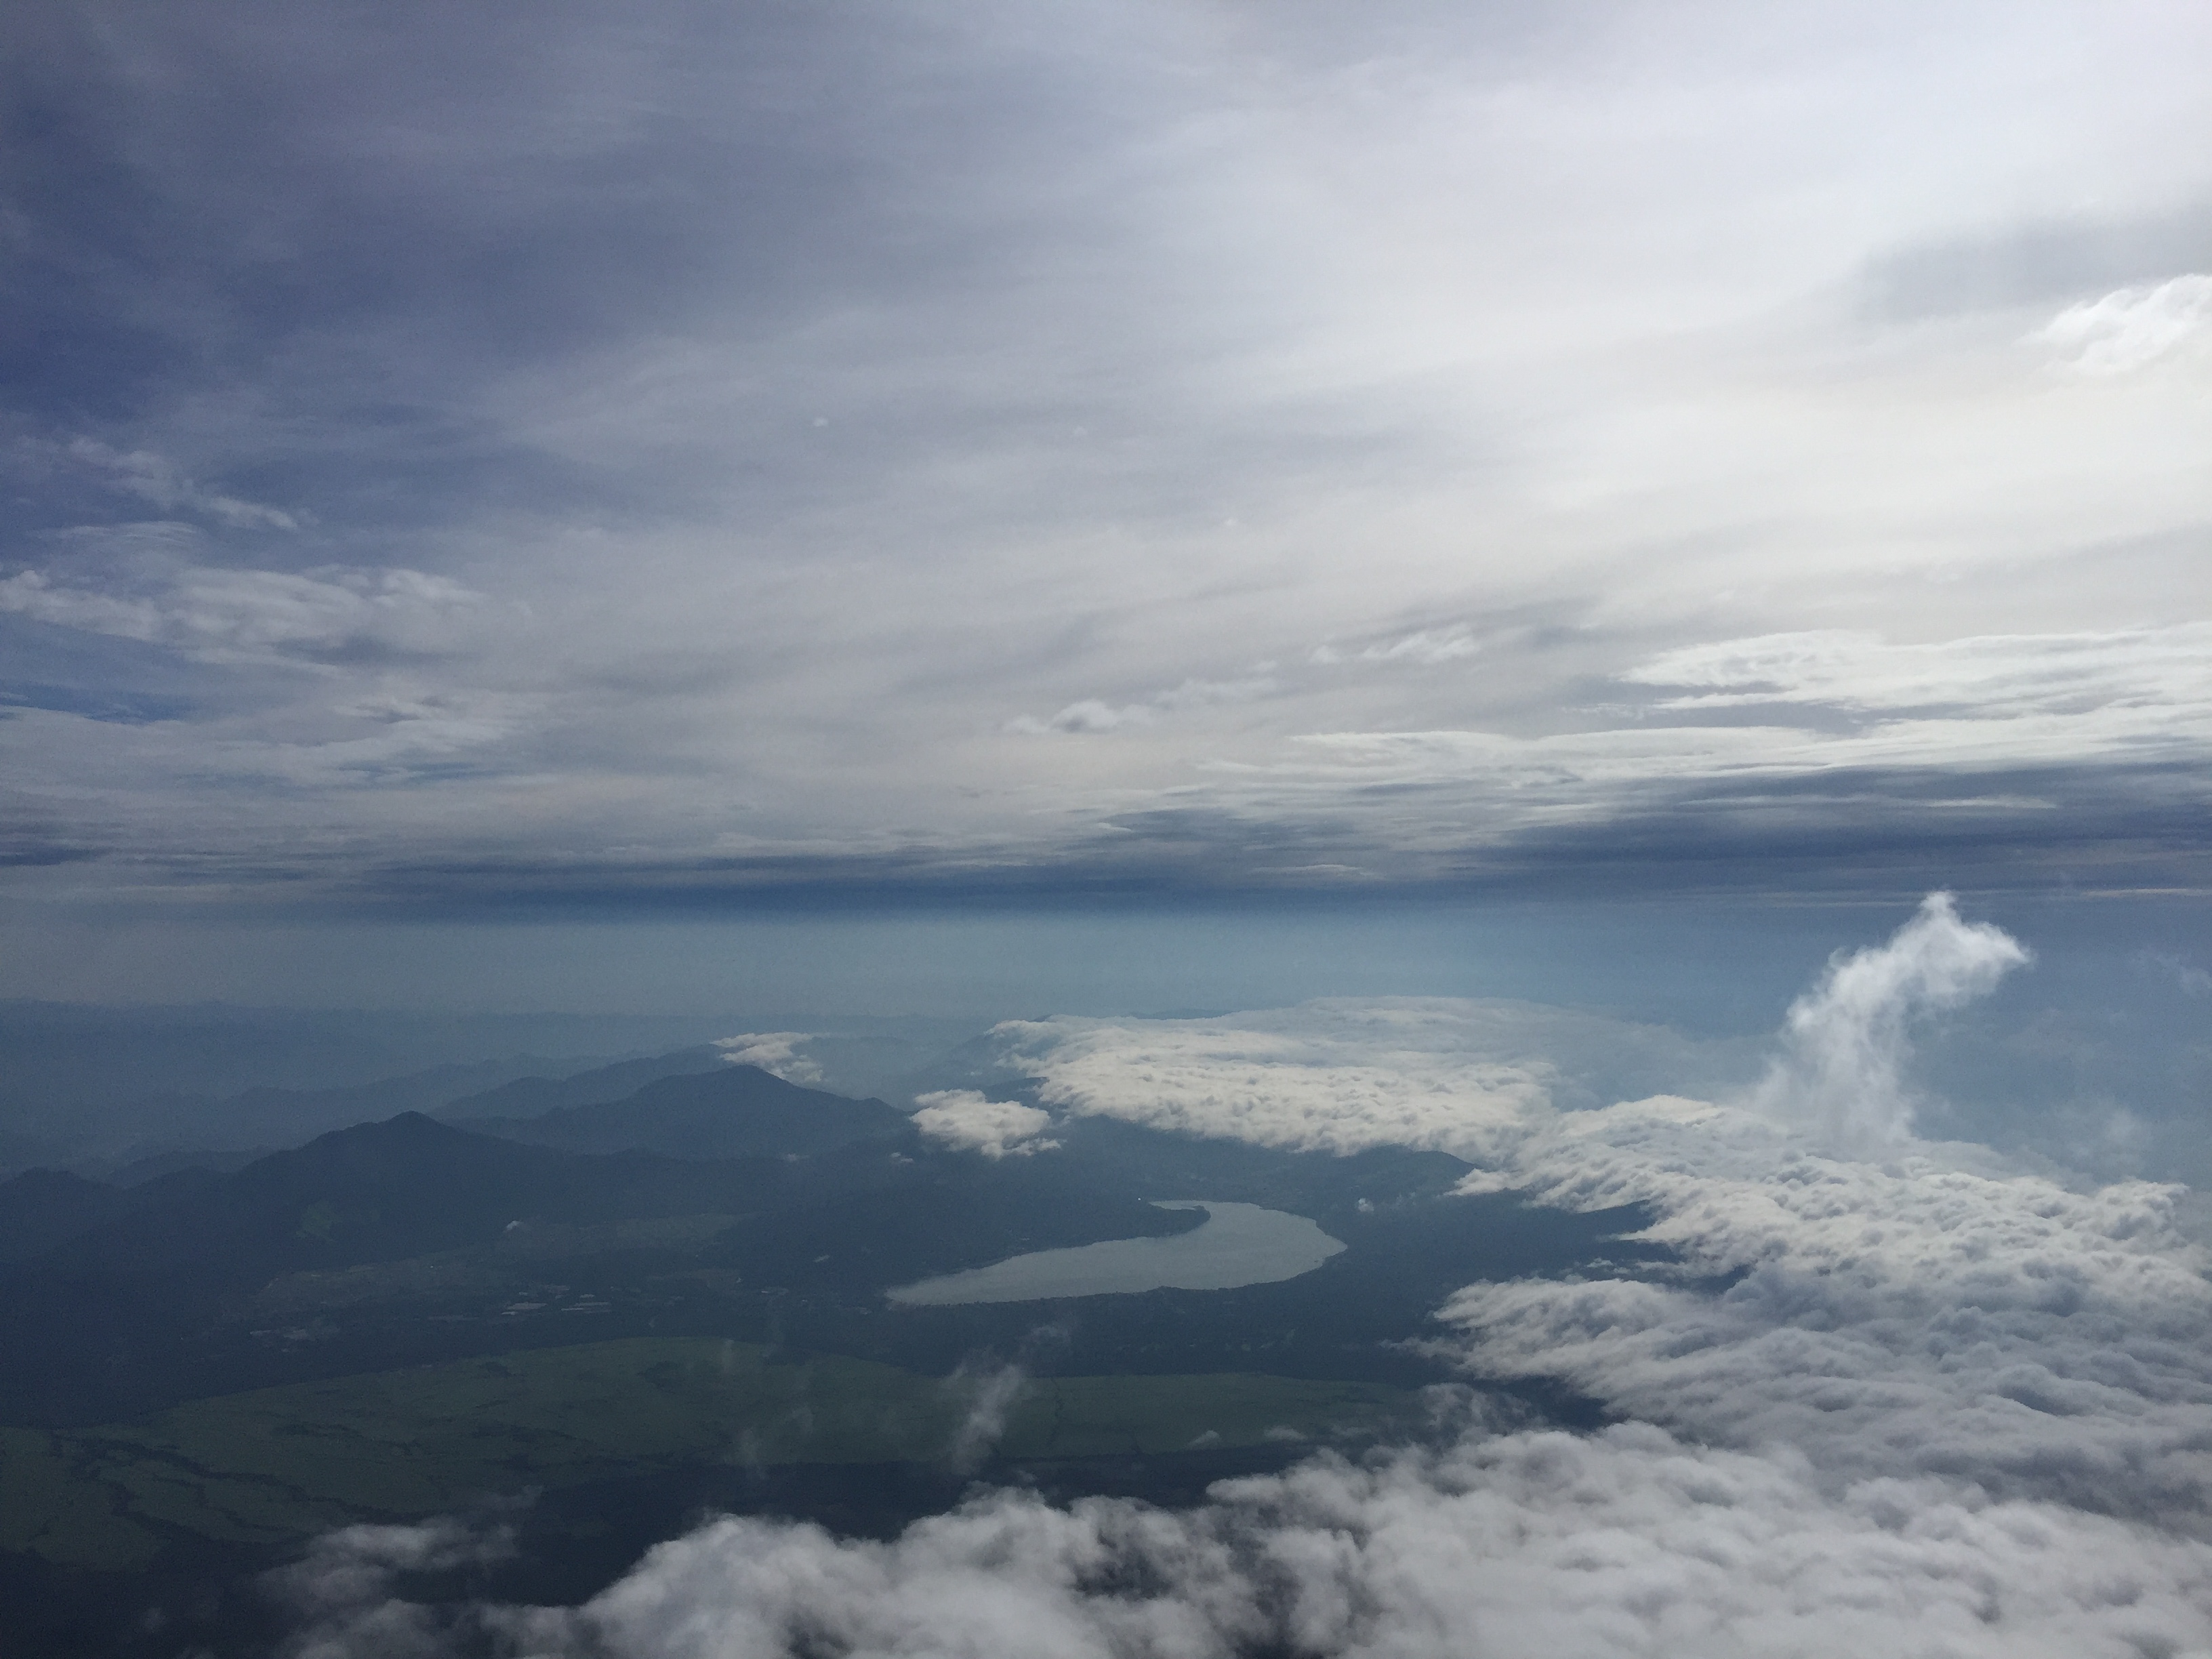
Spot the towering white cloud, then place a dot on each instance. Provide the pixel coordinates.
(1841, 1076)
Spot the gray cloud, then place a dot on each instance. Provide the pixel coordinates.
(810, 403)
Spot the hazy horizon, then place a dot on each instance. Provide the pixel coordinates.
(1564, 648)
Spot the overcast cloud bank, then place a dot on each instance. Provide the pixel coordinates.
(462, 461)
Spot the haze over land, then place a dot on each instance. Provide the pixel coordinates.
(662, 674)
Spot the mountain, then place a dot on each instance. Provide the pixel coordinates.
(125, 1312)
(41, 1208)
(268, 1116)
(534, 1097)
(738, 1111)
(377, 1192)
(148, 1135)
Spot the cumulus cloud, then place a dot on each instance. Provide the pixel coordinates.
(2131, 327)
(968, 1120)
(1629, 1542)
(1841, 1076)
(774, 1052)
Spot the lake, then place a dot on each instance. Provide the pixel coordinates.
(1236, 1244)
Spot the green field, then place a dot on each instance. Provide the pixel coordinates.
(277, 1464)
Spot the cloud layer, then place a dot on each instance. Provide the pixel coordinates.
(804, 453)
(1944, 1405)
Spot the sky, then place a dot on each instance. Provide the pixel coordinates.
(467, 470)
(1617, 589)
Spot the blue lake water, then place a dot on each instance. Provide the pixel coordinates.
(1236, 1244)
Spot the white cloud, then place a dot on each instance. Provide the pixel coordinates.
(340, 1591)
(1335, 1075)
(2131, 327)
(1627, 1543)
(1944, 1405)
(774, 1052)
(968, 1120)
(988, 1394)
(1840, 1078)
(2163, 671)
(220, 614)
(1094, 714)
(161, 481)
(1425, 646)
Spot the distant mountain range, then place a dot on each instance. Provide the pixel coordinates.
(136, 1137)
(401, 1240)
(157, 1134)
(535, 1096)
(735, 1111)
(199, 1370)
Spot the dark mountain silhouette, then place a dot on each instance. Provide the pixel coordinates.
(534, 1097)
(114, 1316)
(41, 1208)
(127, 1140)
(382, 1191)
(738, 1111)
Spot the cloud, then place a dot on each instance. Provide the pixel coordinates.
(2191, 980)
(967, 1119)
(2131, 328)
(341, 1592)
(774, 1052)
(1626, 1543)
(1333, 1076)
(1426, 648)
(989, 1394)
(1990, 678)
(1070, 377)
(223, 614)
(1093, 714)
(1839, 1077)
(1933, 1403)
(160, 481)
(1921, 1317)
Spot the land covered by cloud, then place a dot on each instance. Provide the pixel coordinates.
(1898, 1395)
(479, 463)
